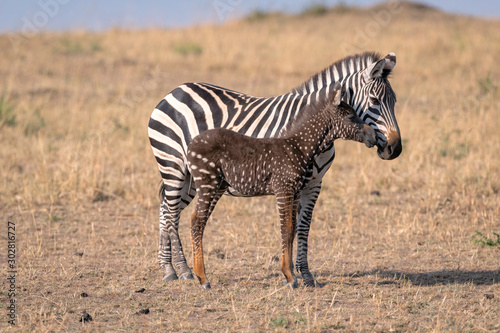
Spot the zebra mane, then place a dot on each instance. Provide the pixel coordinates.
(351, 64)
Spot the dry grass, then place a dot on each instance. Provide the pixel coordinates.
(79, 180)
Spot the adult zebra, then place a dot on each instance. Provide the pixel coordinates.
(195, 107)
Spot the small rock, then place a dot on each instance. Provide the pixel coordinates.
(489, 296)
(377, 193)
(140, 290)
(84, 295)
(220, 255)
(85, 317)
(143, 311)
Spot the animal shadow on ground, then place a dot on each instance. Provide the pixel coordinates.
(433, 278)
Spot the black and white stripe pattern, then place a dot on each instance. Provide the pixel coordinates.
(193, 108)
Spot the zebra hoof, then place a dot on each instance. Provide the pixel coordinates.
(206, 286)
(171, 277)
(186, 276)
(292, 285)
(309, 283)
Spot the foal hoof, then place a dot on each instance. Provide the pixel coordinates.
(186, 276)
(170, 277)
(206, 286)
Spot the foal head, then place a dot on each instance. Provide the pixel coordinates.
(346, 123)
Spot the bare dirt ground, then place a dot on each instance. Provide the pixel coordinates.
(394, 243)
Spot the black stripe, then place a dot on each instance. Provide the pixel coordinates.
(245, 110)
(212, 103)
(176, 116)
(159, 127)
(315, 83)
(168, 163)
(196, 109)
(326, 164)
(171, 177)
(279, 111)
(266, 117)
(288, 109)
(256, 113)
(165, 148)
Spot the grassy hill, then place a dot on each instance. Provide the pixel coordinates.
(79, 179)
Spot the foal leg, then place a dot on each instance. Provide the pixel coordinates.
(207, 199)
(287, 221)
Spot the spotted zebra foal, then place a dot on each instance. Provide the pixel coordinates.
(220, 158)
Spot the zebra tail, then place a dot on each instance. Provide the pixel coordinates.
(161, 193)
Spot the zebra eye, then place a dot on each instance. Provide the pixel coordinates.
(374, 101)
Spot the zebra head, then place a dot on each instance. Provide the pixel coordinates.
(374, 102)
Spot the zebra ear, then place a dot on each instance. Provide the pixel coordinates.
(390, 61)
(381, 68)
(375, 70)
(337, 93)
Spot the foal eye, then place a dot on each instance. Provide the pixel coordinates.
(374, 101)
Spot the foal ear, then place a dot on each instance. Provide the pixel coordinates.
(337, 93)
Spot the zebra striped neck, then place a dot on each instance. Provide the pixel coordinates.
(338, 71)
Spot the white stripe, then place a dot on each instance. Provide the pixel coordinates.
(250, 109)
(168, 157)
(166, 121)
(160, 137)
(186, 112)
(328, 77)
(259, 118)
(336, 75)
(351, 66)
(171, 171)
(298, 108)
(281, 111)
(264, 128)
(320, 81)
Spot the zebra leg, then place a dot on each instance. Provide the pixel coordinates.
(165, 248)
(308, 199)
(179, 260)
(285, 208)
(170, 252)
(170, 246)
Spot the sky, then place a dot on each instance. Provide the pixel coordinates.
(58, 15)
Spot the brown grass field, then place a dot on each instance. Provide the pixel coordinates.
(79, 181)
